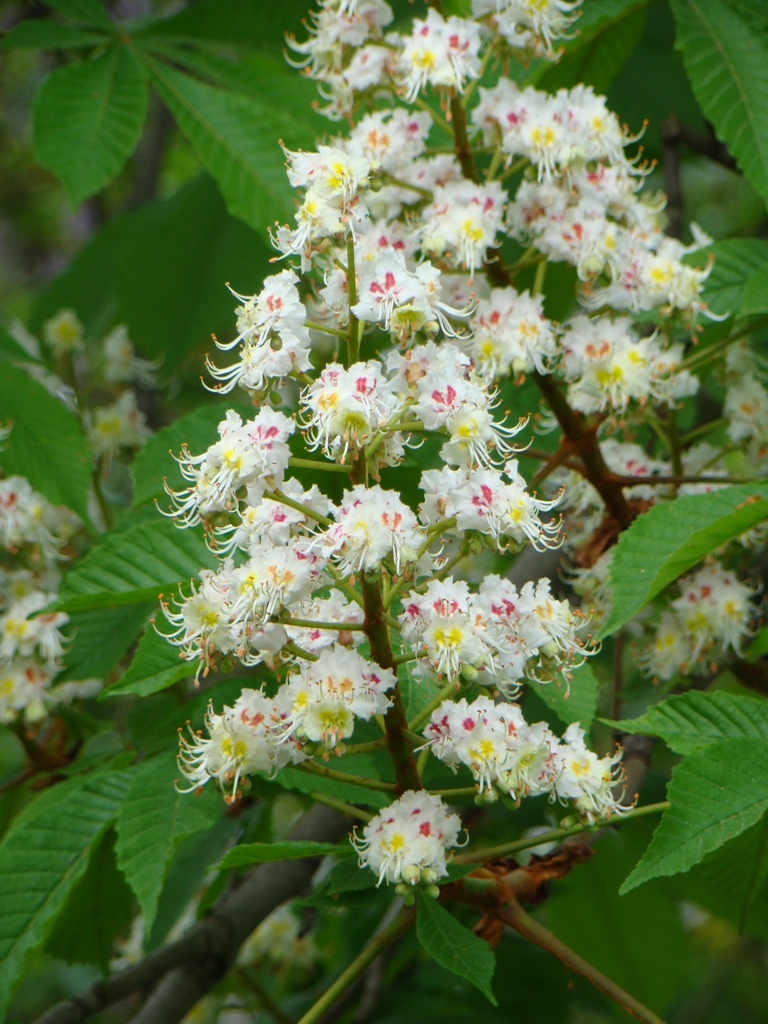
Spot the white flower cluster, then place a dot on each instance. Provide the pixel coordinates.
(33, 536)
(508, 756)
(274, 340)
(497, 636)
(406, 843)
(607, 366)
(315, 708)
(712, 615)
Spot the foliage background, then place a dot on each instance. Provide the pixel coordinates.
(149, 238)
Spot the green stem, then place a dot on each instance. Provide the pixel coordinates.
(555, 835)
(364, 748)
(313, 325)
(513, 914)
(353, 337)
(341, 584)
(705, 428)
(353, 780)
(308, 512)
(299, 652)
(425, 192)
(312, 624)
(323, 467)
(447, 691)
(385, 938)
(448, 793)
(701, 356)
(342, 805)
(437, 118)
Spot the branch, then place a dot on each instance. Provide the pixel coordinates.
(514, 915)
(193, 964)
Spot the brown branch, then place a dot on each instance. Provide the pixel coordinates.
(514, 915)
(395, 721)
(193, 964)
(705, 143)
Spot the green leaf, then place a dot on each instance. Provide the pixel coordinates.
(672, 536)
(161, 270)
(758, 647)
(152, 819)
(736, 261)
(715, 794)
(453, 946)
(756, 292)
(98, 909)
(41, 860)
(155, 462)
(228, 22)
(11, 349)
(86, 11)
(259, 853)
(137, 564)
(155, 666)
(233, 136)
(47, 444)
(727, 63)
(40, 34)
(730, 882)
(689, 721)
(580, 704)
(587, 914)
(88, 118)
(606, 33)
(187, 873)
(98, 638)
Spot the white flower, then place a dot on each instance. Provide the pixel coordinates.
(371, 524)
(439, 52)
(119, 425)
(121, 364)
(323, 697)
(64, 333)
(251, 456)
(588, 780)
(407, 842)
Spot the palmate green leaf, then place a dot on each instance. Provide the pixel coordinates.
(98, 638)
(99, 907)
(155, 666)
(155, 463)
(85, 11)
(152, 819)
(607, 32)
(88, 118)
(689, 721)
(39, 34)
(578, 705)
(228, 22)
(731, 882)
(453, 946)
(137, 564)
(233, 136)
(670, 537)
(260, 853)
(715, 794)
(41, 860)
(47, 444)
(736, 261)
(726, 57)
